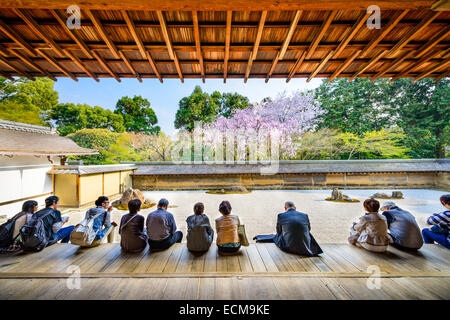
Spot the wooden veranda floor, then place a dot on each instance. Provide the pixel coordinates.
(260, 271)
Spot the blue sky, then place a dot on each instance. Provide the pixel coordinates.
(164, 97)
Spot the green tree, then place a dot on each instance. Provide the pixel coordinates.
(423, 109)
(200, 106)
(27, 101)
(69, 118)
(356, 106)
(137, 115)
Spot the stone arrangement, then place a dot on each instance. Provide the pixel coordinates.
(131, 194)
(228, 190)
(382, 195)
(337, 195)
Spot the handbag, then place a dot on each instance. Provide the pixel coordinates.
(242, 236)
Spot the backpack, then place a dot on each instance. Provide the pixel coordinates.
(33, 234)
(6, 232)
(83, 234)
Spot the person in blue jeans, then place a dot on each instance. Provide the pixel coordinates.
(440, 222)
(102, 223)
(53, 222)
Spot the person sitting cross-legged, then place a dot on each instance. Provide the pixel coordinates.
(293, 232)
(161, 228)
(200, 234)
(227, 230)
(102, 223)
(53, 222)
(403, 228)
(440, 225)
(133, 237)
(371, 232)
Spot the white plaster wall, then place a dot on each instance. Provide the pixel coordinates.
(22, 177)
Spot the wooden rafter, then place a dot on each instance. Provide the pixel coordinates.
(369, 64)
(16, 38)
(80, 64)
(132, 29)
(343, 66)
(172, 53)
(323, 28)
(101, 30)
(57, 65)
(198, 44)
(351, 33)
(20, 72)
(287, 40)
(7, 76)
(32, 64)
(227, 45)
(105, 65)
(296, 66)
(72, 33)
(34, 26)
(414, 65)
(433, 42)
(443, 75)
(254, 52)
(320, 66)
(383, 32)
(128, 63)
(413, 32)
(392, 66)
(152, 63)
(444, 64)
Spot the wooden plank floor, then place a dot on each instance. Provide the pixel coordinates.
(260, 271)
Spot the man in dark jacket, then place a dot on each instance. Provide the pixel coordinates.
(293, 232)
(403, 227)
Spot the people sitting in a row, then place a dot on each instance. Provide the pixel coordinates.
(374, 231)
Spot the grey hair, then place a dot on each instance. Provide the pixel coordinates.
(389, 204)
(163, 203)
(289, 204)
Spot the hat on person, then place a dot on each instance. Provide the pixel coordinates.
(388, 204)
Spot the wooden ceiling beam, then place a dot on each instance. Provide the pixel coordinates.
(166, 37)
(227, 45)
(220, 5)
(383, 32)
(132, 28)
(34, 26)
(198, 44)
(442, 76)
(105, 65)
(19, 72)
(296, 66)
(433, 42)
(152, 63)
(413, 66)
(323, 28)
(102, 32)
(343, 66)
(128, 63)
(368, 64)
(80, 64)
(26, 60)
(285, 45)
(392, 66)
(444, 64)
(254, 52)
(320, 66)
(413, 32)
(16, 38)
(7, 76)
(351, 33)
(72, 33)
(57, 65)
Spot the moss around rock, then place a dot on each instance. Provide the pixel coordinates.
(132, 194)
(338, 196)
(350, 200)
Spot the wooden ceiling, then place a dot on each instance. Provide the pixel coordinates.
(225, 39)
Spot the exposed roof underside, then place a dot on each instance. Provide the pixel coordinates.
(225, 39)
